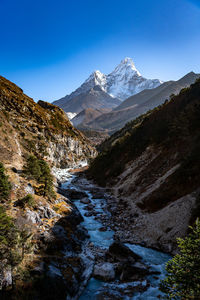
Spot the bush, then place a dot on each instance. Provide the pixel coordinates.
(8, 237)
(39, 170)
(5, 185)
(183, 271)
(28, 199)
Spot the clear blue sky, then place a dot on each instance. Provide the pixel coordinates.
(50, 47)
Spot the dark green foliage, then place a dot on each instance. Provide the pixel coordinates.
(5, 185)
(27, 200)
(8, 238)
(46, 178)
(173, 125)
(39, 170)
(32, 167)
(183, 271)
(6, 227)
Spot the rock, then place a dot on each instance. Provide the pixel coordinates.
(85, 201)
(72, 194)
(5, 275)
(88, 214)
(33, 217)
(89, 207)
(74, 218)
(133, 272)
(97, 194)
(47, 212)
(29, 189)
(103, 228)
(104, 271)
(120, 252)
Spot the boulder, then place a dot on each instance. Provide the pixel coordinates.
(85, 201)
(5, 275)
(104, 271)
(72, 194)
(47, 212)
(120, 252)
(134, 272)
(33, 217)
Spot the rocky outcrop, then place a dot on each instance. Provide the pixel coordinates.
(40, 128)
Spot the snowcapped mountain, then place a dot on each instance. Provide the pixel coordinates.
(126, 80)
(120, 84)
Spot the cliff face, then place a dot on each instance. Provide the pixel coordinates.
(43, 227)
(152, 167)
(41, 129)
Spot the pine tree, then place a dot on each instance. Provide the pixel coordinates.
(183, 270)
(5, 185)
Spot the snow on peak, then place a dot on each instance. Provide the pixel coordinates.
(121, 83)
(126, 66)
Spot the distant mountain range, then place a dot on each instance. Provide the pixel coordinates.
(107, 91)
(138, 104)
(108, 102)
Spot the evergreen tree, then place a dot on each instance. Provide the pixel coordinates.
(46, 178)
(8, 238)
(40, 171)
(32, 167)
(183, 270)
(5, 185)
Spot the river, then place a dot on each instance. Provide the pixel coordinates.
(103, 239)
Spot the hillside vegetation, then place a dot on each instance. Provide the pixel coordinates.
(34, 137)
(173, 128)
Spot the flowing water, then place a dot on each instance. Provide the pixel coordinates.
(155, 259)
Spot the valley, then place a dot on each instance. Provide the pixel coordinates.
(81, 224)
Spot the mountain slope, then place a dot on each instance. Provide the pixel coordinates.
(86, 116)
(156, 96)
(140, 103)
(42, 129)
(153, 168)
(94, 98)
(38, 226)
(123, 82)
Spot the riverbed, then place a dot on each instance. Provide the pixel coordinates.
(102, 239)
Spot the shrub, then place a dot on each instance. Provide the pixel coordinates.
(183, 271)
(32, 168)
(5, 185)
(39, 170)
(28, 199)
(8, 237)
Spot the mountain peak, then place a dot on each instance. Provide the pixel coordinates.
(126, 66)
(127, 60)
(124, 81)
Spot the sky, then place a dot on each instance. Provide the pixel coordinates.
(49, 47)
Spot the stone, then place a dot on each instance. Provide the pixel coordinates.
(72, 194)
(33, 217)
(47, 212)
(103, 228)
(85, 201)
(104, 271)
(133, 272)
(120, 252)
(5, 275)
